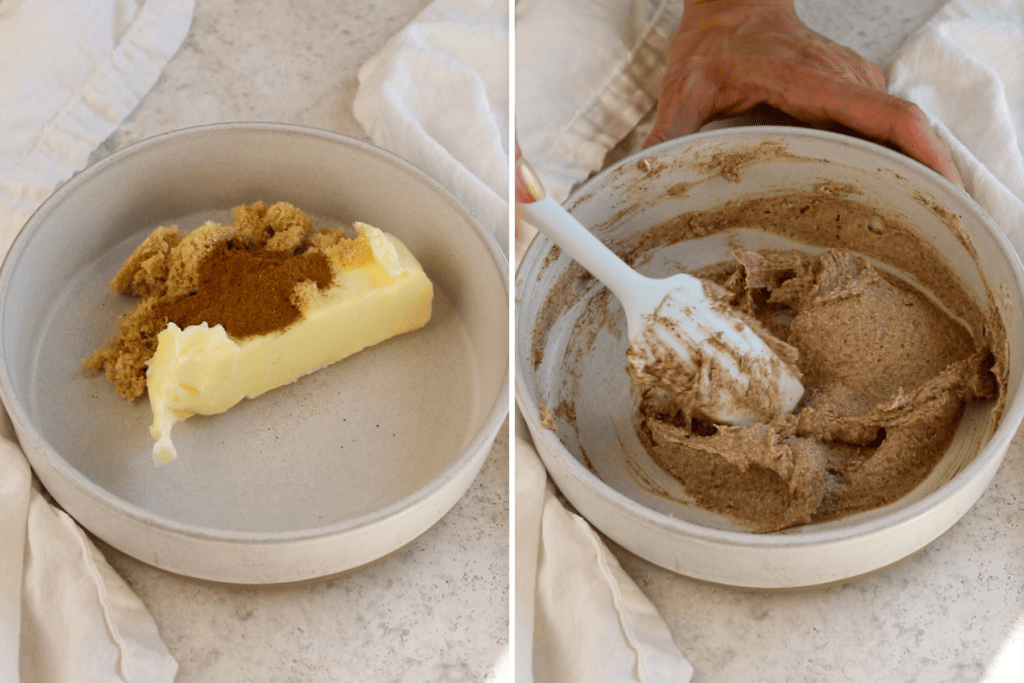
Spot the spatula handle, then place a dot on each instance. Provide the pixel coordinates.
(552, 220)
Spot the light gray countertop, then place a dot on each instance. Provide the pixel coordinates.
(436, 610)
(939, 615)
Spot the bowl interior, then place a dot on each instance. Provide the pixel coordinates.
(571, 334)
(336, 446)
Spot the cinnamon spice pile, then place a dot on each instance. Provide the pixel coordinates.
(246, 289)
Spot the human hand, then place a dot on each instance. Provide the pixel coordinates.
(523, 193)
(730, 56)
(528, 187)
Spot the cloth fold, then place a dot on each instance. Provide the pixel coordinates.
(645, 652)
(611, 58)
(70, 73)
(964, 68)
(437, 95)
(587, 620)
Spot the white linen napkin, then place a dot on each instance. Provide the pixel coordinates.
(610, 58)
(70, 72)
(437, 95)
(965, 68)
(579, 617)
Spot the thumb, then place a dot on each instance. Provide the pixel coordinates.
(685, 103)
(523, 193)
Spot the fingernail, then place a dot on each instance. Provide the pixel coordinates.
(528, 185)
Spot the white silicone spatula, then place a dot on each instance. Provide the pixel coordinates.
(675, 329)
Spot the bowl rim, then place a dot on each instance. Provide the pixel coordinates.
(802, 536)
(473, 454)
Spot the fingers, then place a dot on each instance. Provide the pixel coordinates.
(875, 114)
(523, 193)
(685, 104)
(689, 100)
(728, 58)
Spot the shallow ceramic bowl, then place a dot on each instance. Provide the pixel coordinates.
(594, 454)
(323, 475)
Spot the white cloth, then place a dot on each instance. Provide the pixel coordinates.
(965, 68)
(579, 617)
(70, 72)
(586, 73)
(610, 57)
(437, 95)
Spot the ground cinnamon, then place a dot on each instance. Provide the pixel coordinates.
(247, 289)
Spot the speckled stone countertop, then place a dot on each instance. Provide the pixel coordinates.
(437, 610)
(939, 615)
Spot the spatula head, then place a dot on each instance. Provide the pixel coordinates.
(710, 360)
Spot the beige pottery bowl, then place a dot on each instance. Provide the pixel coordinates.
(596, 459)
(321, 476)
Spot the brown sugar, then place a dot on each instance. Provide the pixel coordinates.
(145, 272)
(251, 277)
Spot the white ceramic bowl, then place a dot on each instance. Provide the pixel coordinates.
(314, 478)
(595, 457)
